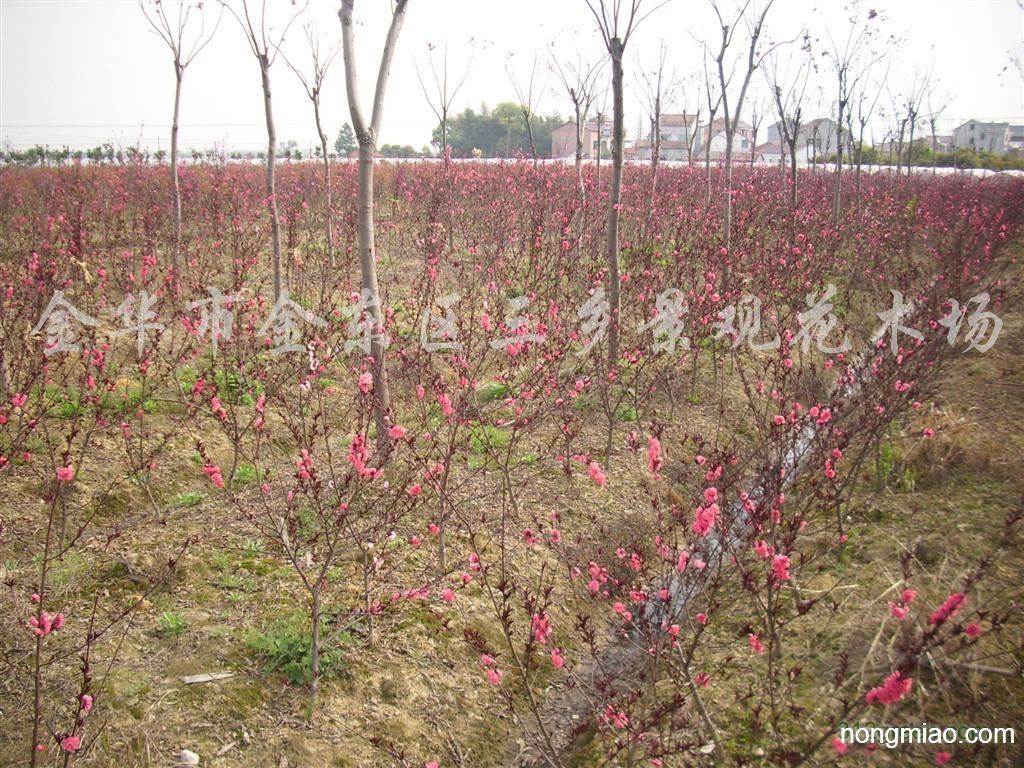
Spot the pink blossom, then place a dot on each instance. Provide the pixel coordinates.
(540, 625)
(557, 659)
(755, 643)
(494, 676)
(780, 568)
(943, 758)
(70, 743)
(212, 471)
(702, 619)
(432, 764)
(446, 405)
(892, 690)
(704, 519)
(896, 611)
(949, 608)
(763, 550)
(448, 596)
(365, 382)
(973, 630)
(596, 474)
(414, 490)
(907, 596)
(654, 457)
(18, 400)
(86, 702)
(684, 558)
(839, 745)
(397, 432)
(66, 474)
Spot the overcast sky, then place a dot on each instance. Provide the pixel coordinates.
(82, 72)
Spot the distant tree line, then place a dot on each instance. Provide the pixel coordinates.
(497, 132)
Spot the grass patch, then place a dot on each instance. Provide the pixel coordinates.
(171, 624)
(285, 647)
(188, 499)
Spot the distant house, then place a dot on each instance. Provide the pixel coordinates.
(815, 141)
(715, 134)
(979, 136)
(769, 152)
(674, 134)
(563, 140)
(1015, 141)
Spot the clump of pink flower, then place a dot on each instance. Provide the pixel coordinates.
(212, 471)
(892, 690)
(949, 608)
(655, 460)
(780, 568)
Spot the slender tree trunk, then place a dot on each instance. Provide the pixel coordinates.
(368, 267)
(314, 662)
(179, 72)
(837, 191)
(792, 162)
(727, 217)
(910, 146)
(367, 133)
(618, 136)
(275, 223)
(327, 183)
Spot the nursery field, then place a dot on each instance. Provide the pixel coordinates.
(792, 502)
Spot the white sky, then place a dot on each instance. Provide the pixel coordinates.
(82, 72)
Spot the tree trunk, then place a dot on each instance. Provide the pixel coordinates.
(367, 136)
(368, 267)
(792, 162)
(275, 224)
(179, 72)
(727, 217)
(314, 652)
(837, 191)
(327, 183)
(618, 137)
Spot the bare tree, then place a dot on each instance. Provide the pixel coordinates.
(616, 28)
(937, 103)
(313, 85)
(731, 110)
(265, 49)
(691, 130)
(851, 60)
(659, 91)
(757, 113)
(367, 135)
(788, 92)
(714, 98)
(912, 101)
(183, 53)
(528, 94)
(866, 101)
(440, 100)
(579, 82)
